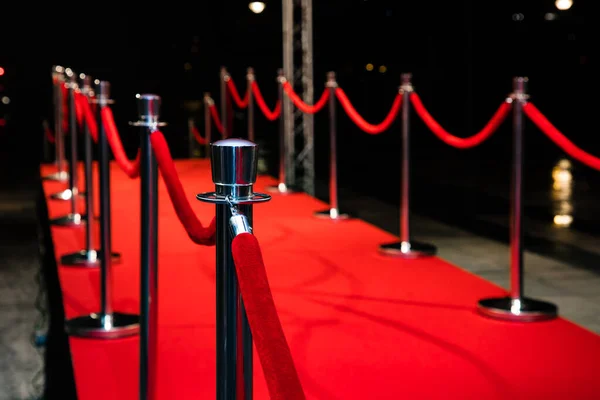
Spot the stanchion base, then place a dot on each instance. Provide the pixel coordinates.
(331, 213)
(408, 249)
(69, 220)
(97, 326)
(65, 195)
(281, 188)
(57, 176)
(518, 310)
(86, 259)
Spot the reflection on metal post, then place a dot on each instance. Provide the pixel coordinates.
(106, 324)
(224, 116)
(149, 110)
(517, 307)
(334, 211)
(282, 186)
(406, 247)
(234, 169)
(58, 82)
(249, 79)
(74, 218)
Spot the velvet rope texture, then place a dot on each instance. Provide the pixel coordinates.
(270, 115)
(360, 122)
(455, 141)
(214, 113)
(558, 138)
(201, 140)
(301, 105)
(194, 228)
(131, 168)
(272, 347)
(49, 135)
(241, 103)
(87, 116)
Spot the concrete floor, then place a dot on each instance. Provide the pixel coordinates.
(575, 290)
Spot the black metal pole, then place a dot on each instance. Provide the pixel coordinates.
(224, 114)
(149, 106)
(58, 80)
(89, 179)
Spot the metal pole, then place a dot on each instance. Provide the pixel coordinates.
(406, 247)
(149, 107)
(517, 307)
(250, 78)
(191, 138)
(106, 324)
(287, 109)
(224, 116)
(58, 80)
(282, 187)
(308, 153)
(208, 102)
(74, 218)
(333, 212)
(234, 169)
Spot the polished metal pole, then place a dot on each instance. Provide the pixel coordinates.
(105, 324)
(87, 257)
(224, 116)
(517, 307)
(333, 212)
(406, 247)
(149, 108)
(234, 169)
(208, 102)
(74, 218)
(282, 186)
(58, 81)
(249, 79)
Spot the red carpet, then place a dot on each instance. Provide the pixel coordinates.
(360, 325)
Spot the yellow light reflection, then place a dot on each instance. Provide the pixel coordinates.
(369, 67)
(562, 188)
(382, 69)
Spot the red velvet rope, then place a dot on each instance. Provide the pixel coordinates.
(201, 140)
(272, 347)
(302, 106)
(78, 108)
(88, 116)
(458, 142)
(558, 138)
(241, 103)
(194, 228)
(65, 106)
(270, 115)
(131, 168)
(214, 113)
(49, 135)
(360, 122)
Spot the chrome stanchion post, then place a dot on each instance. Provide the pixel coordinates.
(149, 109)
(517, 307)
(224, 117)
(74, 218)
(208, 102)
(333, 212)
(88, 257)
(249, 79)
(58, 80)
(234, 169)
(282, 186)
(406, 247)
(106, 324)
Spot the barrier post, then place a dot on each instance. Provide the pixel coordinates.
(249, 79)
(334, 211)
(208, 102)
(58, 81)
(517, 307)
(406, 247)
(282, 186)
(149, 109)
(106, 324)
(234, 169)
(224, 117)
(74, 218)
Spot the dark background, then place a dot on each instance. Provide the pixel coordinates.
(463, 55)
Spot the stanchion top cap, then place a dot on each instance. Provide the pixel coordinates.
(148, 106)
(234, 162)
